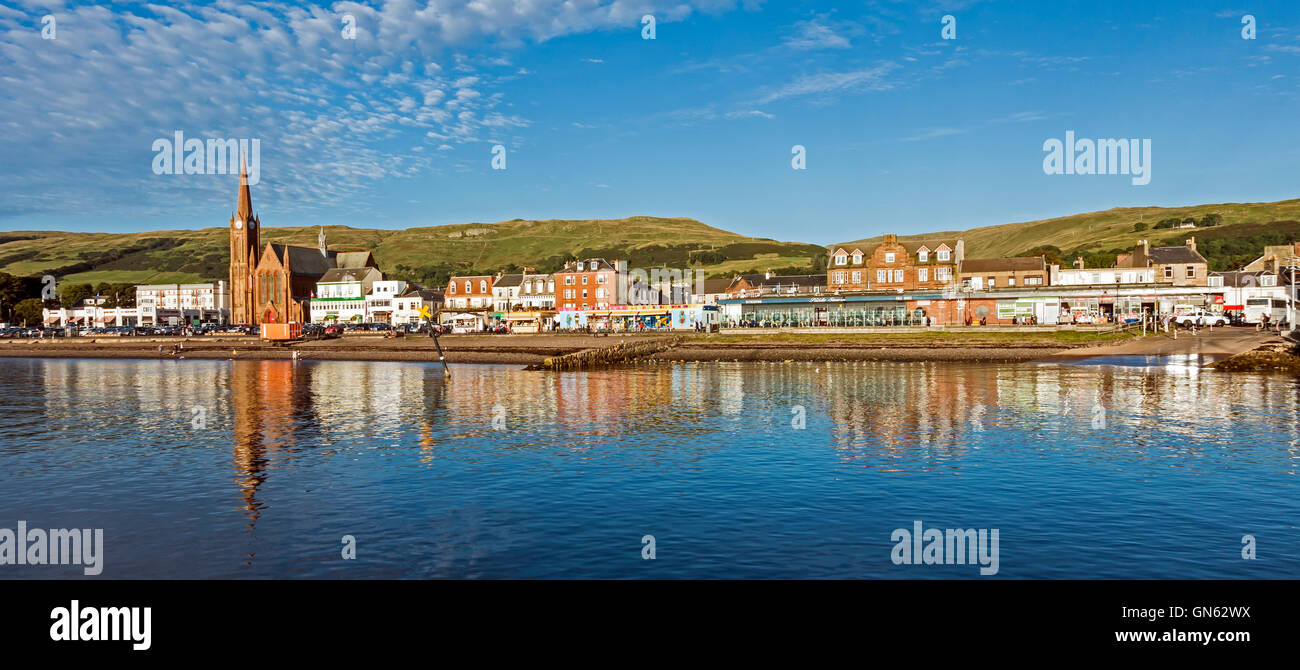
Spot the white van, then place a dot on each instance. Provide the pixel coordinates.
(1256, 308)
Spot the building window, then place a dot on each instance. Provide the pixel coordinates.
(579, 266)
(1169, 272)
(482, 286)
(992, 282)
(881, 276)
(889, 257)
(584, 280)
(838, 277)
(468, 288)
(923, 256)
(600, 279)
(923, 274)
(943, 274)
(857, 276)
(857, 259)
(1191, 272)
(898, 275)
(841, 259)
(944, 254)
(1033, 281)
(1011, 281)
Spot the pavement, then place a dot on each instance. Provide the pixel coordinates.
(1208, 344)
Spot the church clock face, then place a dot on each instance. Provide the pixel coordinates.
(239, 223)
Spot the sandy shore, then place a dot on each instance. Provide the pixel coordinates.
(527, 349)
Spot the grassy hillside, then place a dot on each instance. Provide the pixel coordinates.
(1115, 229)
(430, 254)
(419, 253)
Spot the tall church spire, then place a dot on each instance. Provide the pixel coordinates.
(245, 210)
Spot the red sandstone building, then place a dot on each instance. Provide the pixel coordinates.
(273, 284)
(907, 265)
(588, 284)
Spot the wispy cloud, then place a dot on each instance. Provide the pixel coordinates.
(334, 115)
(830, 84)
(933, 133)
(822, 33)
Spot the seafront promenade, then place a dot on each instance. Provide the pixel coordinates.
(1007, 344)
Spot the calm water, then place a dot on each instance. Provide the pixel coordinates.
(1181, 464)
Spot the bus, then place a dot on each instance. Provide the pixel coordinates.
(1256, 308)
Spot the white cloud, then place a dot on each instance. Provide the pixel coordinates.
(80, 112)
(835, 83)
(819, 33)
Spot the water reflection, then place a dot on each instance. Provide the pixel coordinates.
(291, 444)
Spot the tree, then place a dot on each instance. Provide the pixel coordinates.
(1210, 220)
(1139, 227)
(29, 311)
(1050, 253)
(69, 294)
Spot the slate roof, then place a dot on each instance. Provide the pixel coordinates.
(347, 274)
(1175, 255)
(1239, 279)
(711, 286)
(506, 281)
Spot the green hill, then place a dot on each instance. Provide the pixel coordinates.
(1241, 233)
(422, 254)
(430, 254)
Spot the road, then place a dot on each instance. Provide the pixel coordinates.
(1210, 345)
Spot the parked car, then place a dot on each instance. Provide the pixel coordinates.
(1200, 317)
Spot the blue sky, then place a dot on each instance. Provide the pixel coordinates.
(904, 131)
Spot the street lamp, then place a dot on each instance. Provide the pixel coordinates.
(1290, 299)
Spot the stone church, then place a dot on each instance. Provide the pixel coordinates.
(274, 284)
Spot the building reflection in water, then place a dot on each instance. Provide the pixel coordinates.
(265, 400)
(897, 417)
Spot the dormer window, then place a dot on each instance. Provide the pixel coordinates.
(857, 259)
(889, 257)
(841, 258)
(923, 256)
(944, 254)
(579, 266)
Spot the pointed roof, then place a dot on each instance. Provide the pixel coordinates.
(244, 212)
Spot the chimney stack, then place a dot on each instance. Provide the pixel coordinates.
(1078, 263)
(1191, 243)
(768, 274)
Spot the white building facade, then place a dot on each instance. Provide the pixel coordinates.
(380, 305)
(338, 302)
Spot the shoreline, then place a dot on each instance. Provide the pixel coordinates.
(532, 349)
(986, 346)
